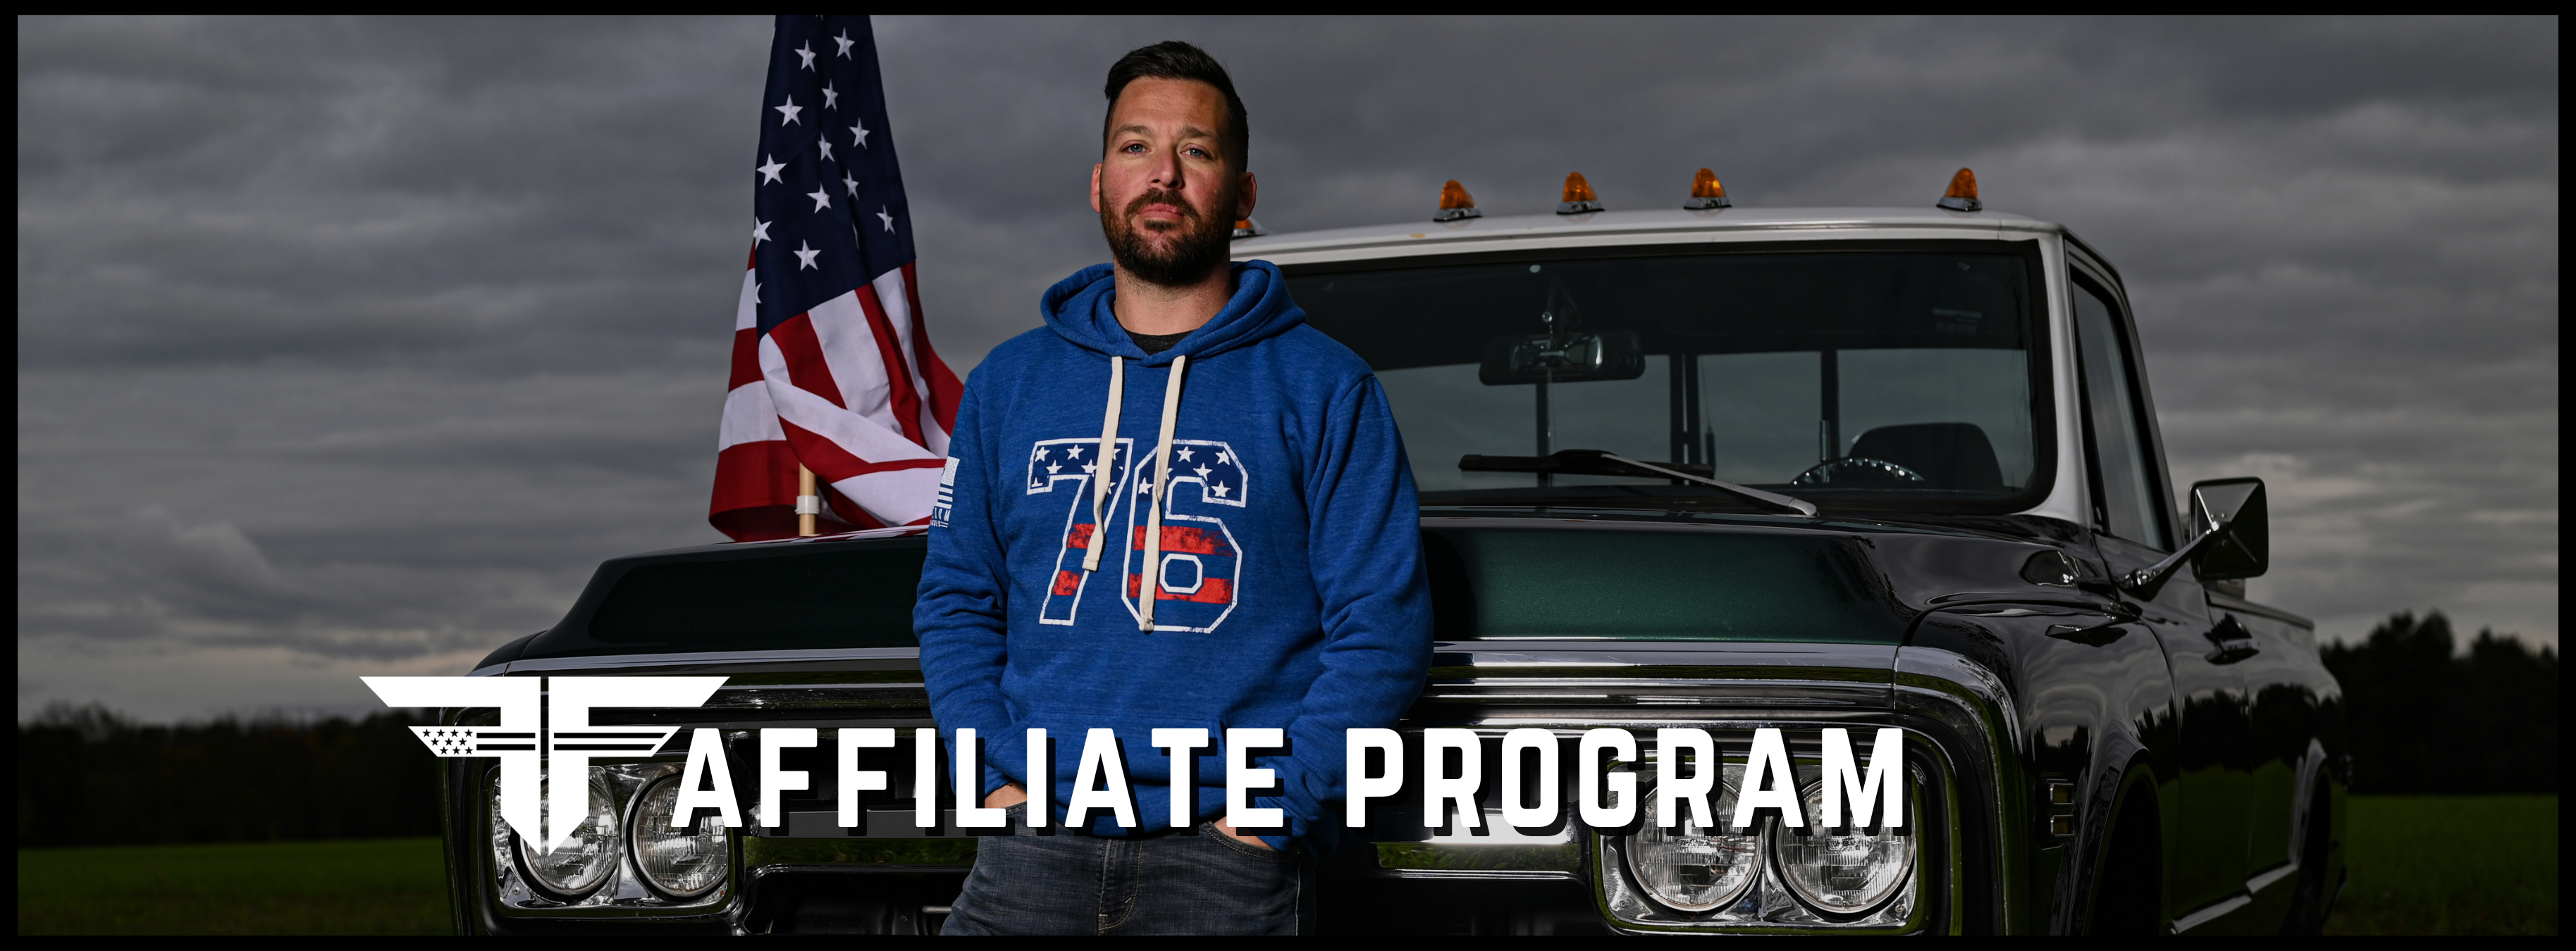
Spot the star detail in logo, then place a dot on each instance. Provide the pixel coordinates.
(529, 742)
(1054, 467)
(789, 111)
(1220, 458)
(1184, 453)
(859, 135)
(806, 53)
(1037, 454)
(1219, 488)
(805, 255)
(845, 41)
(769, 172)
(759, 232)
(822, 199)
(887, 218)
(1203, 471)
(831, 100)
(1074, 452)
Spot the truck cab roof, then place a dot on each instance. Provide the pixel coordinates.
(1645, 226)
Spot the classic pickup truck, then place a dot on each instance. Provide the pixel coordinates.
(1703, 466)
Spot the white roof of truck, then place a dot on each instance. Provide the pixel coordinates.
(1611, 228)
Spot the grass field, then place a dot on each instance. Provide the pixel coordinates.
(366, 886)
(2420, 865)
(2451, 865)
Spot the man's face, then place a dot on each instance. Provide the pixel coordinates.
(1167, 193)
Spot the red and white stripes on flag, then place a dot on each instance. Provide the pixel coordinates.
(850, 388)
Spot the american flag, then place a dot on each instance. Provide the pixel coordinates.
(831, 366)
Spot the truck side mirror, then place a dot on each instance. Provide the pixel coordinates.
(2232, 509)
(2231, 538)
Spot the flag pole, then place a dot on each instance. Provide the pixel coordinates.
(808, 502)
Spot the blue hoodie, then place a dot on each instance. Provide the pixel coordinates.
(1291, 584)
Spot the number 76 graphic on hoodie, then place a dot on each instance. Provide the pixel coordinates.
(1200, 568)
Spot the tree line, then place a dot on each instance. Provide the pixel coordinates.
(87, 776)
(2421, 717)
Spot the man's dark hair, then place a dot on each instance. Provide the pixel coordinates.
(1173, 59)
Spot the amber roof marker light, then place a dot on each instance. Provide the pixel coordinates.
(1962, 195)
(1456, 204)
(1579, 198)
(1248, 228)
(1707, 192)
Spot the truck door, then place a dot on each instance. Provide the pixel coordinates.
(2280, 721)
(2133, 525)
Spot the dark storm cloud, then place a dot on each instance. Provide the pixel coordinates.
(346, 345)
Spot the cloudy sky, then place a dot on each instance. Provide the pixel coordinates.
(350, 346)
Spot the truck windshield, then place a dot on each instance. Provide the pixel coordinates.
(1852, 376)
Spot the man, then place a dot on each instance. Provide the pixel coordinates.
(1174, 506)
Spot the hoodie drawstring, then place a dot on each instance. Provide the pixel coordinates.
(1152, 583)
(1106, 474)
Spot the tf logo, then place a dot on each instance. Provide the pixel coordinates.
(545, 734)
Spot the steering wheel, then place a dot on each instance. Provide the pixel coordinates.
(1857, 473)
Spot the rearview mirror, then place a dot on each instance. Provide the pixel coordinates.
(2242, 547)
(1562, 358)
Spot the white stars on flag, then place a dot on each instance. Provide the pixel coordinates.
(886, 438)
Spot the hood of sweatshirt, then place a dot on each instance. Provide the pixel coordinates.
(1078, 309)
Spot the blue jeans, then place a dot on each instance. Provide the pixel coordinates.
(1166, 883)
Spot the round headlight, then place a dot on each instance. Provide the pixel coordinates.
(504, 842)
(679, 862)
(1844, 874)
(1695, 869)
(589, 859)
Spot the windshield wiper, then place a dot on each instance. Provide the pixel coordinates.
(1598, 462)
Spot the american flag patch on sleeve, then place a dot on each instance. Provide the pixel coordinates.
(947, 494)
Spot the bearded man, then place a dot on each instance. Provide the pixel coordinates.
(1177, 533)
